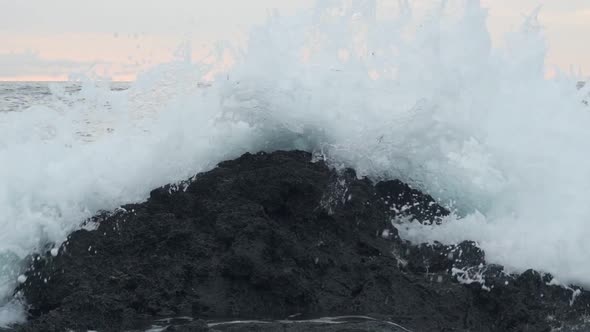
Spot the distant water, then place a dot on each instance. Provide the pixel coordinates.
(18, 96)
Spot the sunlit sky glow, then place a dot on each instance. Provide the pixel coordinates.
(48, 40)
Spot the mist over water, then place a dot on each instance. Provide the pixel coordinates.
(423, 98)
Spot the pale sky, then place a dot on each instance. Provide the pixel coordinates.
(41, 39)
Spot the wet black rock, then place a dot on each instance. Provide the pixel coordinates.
(191, 326)
(438, 258)
(325, 324)
(404, 201)
(269, 236)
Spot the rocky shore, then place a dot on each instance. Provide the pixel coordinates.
(278, 240)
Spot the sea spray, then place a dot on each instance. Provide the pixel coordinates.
(422, 98)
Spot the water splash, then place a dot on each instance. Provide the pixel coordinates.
(426, 99)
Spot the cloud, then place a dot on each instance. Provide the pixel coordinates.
(136, 16)
(31, 63)
(578, 18)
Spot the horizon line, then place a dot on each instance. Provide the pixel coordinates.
(62, 81)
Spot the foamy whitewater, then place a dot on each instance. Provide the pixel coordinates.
(423, 98)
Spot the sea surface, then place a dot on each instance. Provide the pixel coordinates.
(426, 99)
(18, 96)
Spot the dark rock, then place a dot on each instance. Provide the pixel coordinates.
(195, 326)
(401, 200)
(438, 258)
(337, 324)
(267, 236)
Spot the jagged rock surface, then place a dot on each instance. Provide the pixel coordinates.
(267, 236)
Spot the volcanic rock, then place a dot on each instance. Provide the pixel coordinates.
(270, 236)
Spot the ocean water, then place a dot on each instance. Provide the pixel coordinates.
(19, 96)
(424, 98)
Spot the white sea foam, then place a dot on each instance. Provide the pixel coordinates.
(423, 98)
